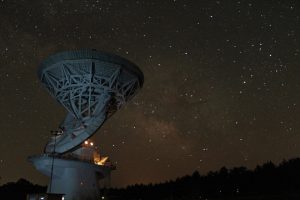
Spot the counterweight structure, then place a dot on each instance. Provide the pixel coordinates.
(91, 85)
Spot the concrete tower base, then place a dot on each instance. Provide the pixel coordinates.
(78, 180)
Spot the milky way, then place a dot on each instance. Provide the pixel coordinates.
(221, 87)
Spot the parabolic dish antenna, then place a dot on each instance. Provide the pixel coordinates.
(91, 85)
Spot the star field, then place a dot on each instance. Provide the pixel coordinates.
(221, 84)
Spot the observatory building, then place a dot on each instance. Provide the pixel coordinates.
(91, 86)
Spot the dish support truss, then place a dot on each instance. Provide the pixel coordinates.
(91, 90)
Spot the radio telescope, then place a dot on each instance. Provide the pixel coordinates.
(91, 86)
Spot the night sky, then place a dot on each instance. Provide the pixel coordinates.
(222, 83)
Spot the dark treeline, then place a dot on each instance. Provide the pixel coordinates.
(18, 190)
(264, 182)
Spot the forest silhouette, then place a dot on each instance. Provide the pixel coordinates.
(267, 181)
